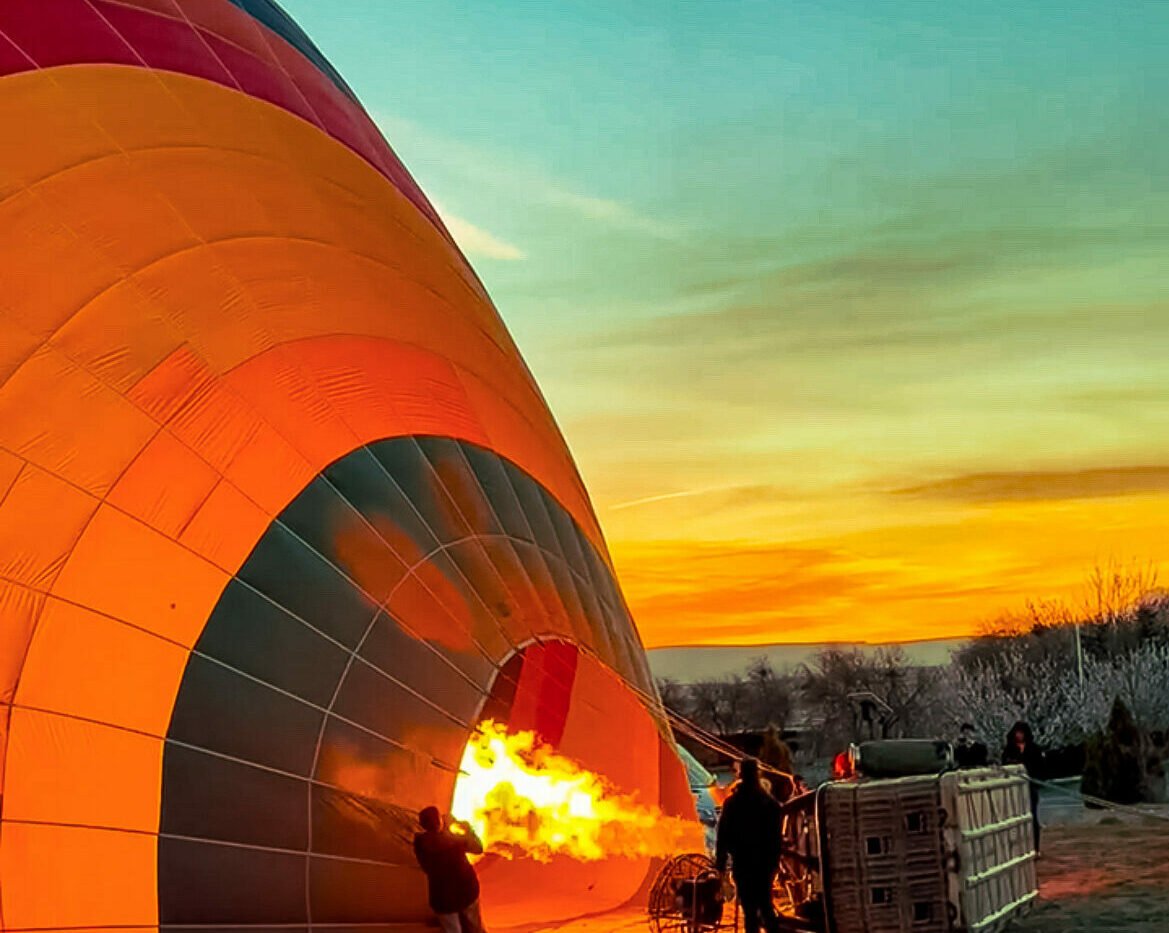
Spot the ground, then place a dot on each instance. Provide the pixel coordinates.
(1099, 873)
(627, 921)
(1105, 875)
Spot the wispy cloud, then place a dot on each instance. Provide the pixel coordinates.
(1050, 485)
(899, 580)
(605, 210)
(519, 179)
(737, 591)
(477, 242)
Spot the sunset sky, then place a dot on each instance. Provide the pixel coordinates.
(854, 313)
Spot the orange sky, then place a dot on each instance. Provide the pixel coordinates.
(855, 317)
(924, 573)
(788, 479)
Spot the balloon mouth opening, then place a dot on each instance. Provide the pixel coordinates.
(573, 812)
(526, 800)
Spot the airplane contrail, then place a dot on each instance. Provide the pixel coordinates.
(682, 494)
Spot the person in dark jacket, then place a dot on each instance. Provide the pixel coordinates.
(968, 751)
(1022, 750)
(454, 886)
(750, 834)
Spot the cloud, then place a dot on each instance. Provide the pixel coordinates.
(985, 327)
(475, 241)
(930, 286)
(743, 592)
(613, 213)
(684, 592)
(504, 172)
(1028, 485)
(861, 300)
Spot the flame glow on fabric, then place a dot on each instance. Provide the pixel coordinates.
(525, 800)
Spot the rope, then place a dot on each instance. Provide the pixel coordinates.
(1100, 801)
(716, 744)
(708, 739)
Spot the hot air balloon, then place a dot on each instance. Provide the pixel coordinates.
(283, 514)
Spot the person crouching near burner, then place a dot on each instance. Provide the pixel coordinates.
(454, 886)
(750, 834)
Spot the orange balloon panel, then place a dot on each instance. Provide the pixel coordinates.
(282, 513)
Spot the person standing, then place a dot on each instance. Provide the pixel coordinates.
(454, 886)
(968, 751)
(750, 835)
(1021, 749)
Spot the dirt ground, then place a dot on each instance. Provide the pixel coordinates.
(1098, 873)
(1110, 875)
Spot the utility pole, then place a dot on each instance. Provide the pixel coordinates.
(1080, 660)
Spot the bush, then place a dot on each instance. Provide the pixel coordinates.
(1112, 760)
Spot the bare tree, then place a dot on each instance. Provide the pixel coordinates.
(736, 703)
(1048, 695)
(722, 704)
(771, 695)
(1141, 679)
(906, 688)
(1045, 693)
(833, 680)
(1043, 631)
(826, 683)
(1115, 590)
(675, 696)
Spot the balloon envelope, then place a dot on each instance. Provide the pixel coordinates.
(282, 512)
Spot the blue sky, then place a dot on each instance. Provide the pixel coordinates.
(774, 264)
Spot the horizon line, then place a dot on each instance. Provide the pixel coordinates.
(812, 644)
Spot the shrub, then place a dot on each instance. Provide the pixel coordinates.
(1112, 766)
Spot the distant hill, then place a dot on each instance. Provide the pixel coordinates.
(687, 664)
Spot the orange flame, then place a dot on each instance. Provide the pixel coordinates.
(525, 800)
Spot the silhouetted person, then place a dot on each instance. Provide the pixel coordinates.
(454, 887)
(968, 751)
(750, 834)
(1022, 750)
